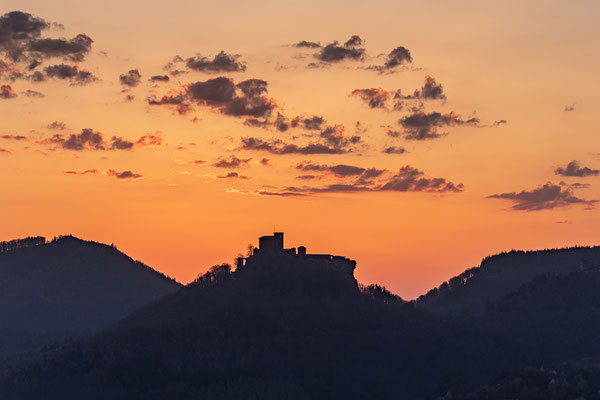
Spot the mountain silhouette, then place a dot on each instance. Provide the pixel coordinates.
(286, 325)
(67, 288)
(478, 288)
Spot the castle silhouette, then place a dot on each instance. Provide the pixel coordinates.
(271, 248)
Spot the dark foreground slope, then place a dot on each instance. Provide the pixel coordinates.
(298, 331)
(478, 288)
(286, 331)
(571, 380)
(67, 288)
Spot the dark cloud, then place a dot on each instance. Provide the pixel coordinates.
(396, 58)
(307, 44)
(431, 90)
(90, 140)
(4, 151)
(279, 147)
(410, 179)
(394, 150)
(132, 78)
(393, 133)
(23, 48)
(86, 172)
(13, 137)
(265, 162)
(159, 78)
(500, 122)
(57, 125)
(379, 98)
(570, 107)
(34, 94)
(313, 123)
(233, 162)
(244, 99)
(364, 175)
(86, 140)
(17, 29)
(546, 197)
(407, 179)
(422, 126)
(232, 175)
(374, 97)
(574, 169)
(71, 73)
(7, 92)
(307, 177)
(333, 52)
(222, 62)
(71, 50)
(179, 101)
(123, 175)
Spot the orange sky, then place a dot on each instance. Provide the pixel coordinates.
(525, 64)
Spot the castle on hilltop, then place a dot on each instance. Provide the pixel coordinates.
(271, 247)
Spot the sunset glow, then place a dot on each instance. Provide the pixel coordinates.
(413, 139)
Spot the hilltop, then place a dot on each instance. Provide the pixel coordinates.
(67, 288)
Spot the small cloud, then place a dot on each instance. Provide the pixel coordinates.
(131, 79)
(34, 94)
(570, 108)
(4, 151)
(123, 175)
(232, 175)
(86, 172)
(394, 150)
(13, 137)
(57, 125)
(544, 197)
(233, 162)
(574, 169)
(7, 92)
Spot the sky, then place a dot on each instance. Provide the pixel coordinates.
(414, 137)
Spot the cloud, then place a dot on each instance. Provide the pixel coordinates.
(266, 162)
(394, 150)
(34, 94)
(310, 123)
(396, 58)
(244, 99)
(86, 172)
(410, 179)
(24, 49)
(71, 73)
(544, 197)
(222, 62)
(71, 50)
(159, 78)
(500, 122)
(570, 108)
(7, 92)
(307, 44)
(17, 29)
(574, 169)
(276, 146)
(4, 151)
(233, 162)
(123, 175)
(422, 126)
(333, 52)
(379, 98)
(87, 139)
(374, 97)
(57, 125)
(131, 79)
(232, 175)
(13, 137)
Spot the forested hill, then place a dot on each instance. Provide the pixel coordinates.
(68, 287)
(478, 288)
